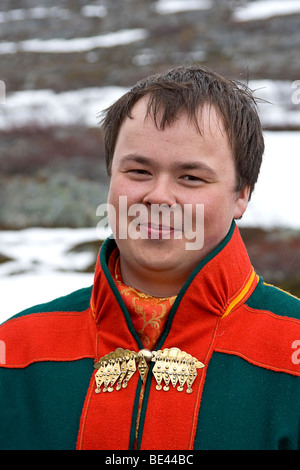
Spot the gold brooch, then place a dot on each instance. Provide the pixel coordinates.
(172, 366)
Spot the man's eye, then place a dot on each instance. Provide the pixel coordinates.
(138, 172)
(192, 178)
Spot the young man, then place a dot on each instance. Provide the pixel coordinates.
(178, 344)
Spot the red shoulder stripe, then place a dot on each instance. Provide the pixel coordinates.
(54, 336)
(261, 337)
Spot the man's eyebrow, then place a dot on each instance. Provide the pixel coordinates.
(137, 159)
(195, 166)
(178, 165)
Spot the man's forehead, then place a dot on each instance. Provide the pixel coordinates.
(206, 117)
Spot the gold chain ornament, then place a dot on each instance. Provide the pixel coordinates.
(172, 366)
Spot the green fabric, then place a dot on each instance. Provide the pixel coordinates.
(77, 301)
(245, 407)
(267, 297)
(248, 407)
(41, 405)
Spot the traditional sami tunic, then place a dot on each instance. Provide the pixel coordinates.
(222, 374)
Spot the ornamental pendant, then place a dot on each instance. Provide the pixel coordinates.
(171, 366)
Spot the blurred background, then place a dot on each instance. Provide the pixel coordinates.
(63, 61)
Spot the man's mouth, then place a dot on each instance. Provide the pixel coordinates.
(157, 232)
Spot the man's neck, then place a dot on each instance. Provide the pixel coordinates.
(157, 284)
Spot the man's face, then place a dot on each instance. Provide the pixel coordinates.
(175, 166)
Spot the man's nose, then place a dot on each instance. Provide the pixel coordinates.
(160, 192)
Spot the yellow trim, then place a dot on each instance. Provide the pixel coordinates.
(241, 295)
(92, 308)
(282, 290)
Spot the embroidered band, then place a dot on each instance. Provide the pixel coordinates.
(171, 366)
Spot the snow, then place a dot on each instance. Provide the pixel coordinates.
(281, 107)
(118, 38)
(34, 13)
(42, 266)
(265, 9)
(256, 10)
(25, 290)
(39, 13)
(45, 249)
(275, 201)
(45, 107)
(166, 7)
(96, 11)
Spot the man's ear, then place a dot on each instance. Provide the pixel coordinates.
(241, 202)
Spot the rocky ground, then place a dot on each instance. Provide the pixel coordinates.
(275, 256)
(55, 177)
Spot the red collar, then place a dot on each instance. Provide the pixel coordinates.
(221, 282)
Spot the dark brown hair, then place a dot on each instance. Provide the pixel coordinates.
(188, 89)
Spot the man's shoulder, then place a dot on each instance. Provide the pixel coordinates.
(53, 331)
(273, 299)
(77, 301)
(265, 330)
